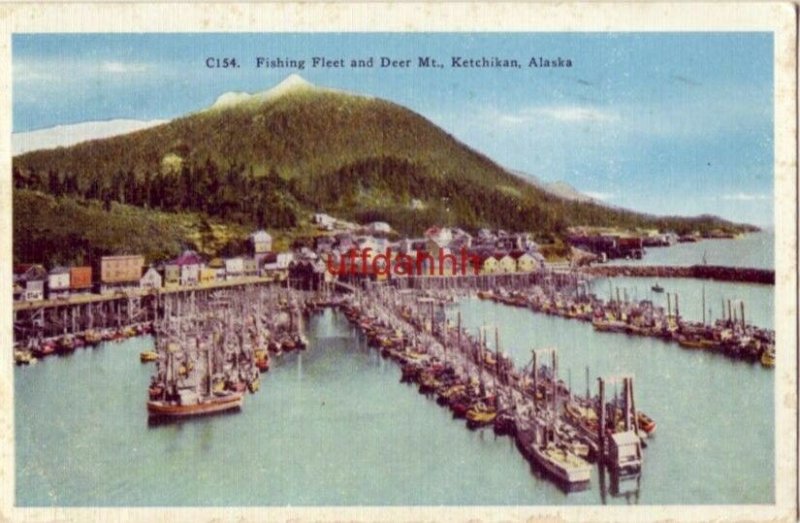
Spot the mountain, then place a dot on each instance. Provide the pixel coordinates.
(270, 159)
(294, 83)
(66, 135)
(558, 188)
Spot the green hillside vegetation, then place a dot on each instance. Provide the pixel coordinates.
(65, 230)
(270, 164)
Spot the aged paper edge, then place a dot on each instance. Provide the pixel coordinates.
(778, 18)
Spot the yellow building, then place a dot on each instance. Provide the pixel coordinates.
(208, 275)
(526, 263)
(506, 264)
(489, 265)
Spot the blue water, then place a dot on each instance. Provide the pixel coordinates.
(755, 250)
(333, 425)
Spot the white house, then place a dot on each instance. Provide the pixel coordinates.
(379, 227)
(324, 221)
(58, 282)
(234, 267)
(151, 279)
(261, 242)
(189, 264)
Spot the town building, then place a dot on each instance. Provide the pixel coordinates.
(189, 264)
(29, 281)
(151, 279)
(80, 280)
(120, 272)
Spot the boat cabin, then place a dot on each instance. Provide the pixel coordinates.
(625, 453)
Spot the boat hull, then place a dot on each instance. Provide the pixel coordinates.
(210, 406)
(571, 476)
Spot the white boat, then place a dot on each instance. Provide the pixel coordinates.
(562, 464)
(539, 444)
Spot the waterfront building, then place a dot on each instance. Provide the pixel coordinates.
(120, 272)
(172, 275)
(29, 281)
(208, 275)
(80, 280)
(249, 267)
(150, 279)
(58, 283)
(505, 263)
(234, 268)
(218, 265)
(527, 262)
(189, 263)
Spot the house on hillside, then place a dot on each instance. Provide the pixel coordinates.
(260, 244)
(323, 221)
(379, 228)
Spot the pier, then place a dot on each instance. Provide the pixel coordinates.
(555, 429)
(706, 272)
(213, 342)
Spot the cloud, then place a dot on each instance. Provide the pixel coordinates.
(579, 114)
(744, 197)
(123, 68)
(602, 196)
(23, 72)
(34, 73)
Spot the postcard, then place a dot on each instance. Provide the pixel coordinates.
(402, 261)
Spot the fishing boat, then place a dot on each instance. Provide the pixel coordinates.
(657, 288)
(202, 368)
(768, 357)
(555, 459)
(148, 356)
(646, 423)
(480, 415)
(262, 362)
(23, 357)
(196, 405)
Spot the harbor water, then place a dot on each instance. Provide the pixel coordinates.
(754, 250)
(334, 426)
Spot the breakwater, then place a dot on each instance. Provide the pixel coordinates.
(708, 272)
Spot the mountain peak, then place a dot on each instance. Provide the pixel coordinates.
(292, 83)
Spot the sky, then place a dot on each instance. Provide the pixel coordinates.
(666, 123)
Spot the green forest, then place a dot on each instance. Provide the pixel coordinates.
(271, 164)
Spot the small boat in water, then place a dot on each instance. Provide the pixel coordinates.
(196, 405)
(555, 459)
(657, 288)
(768, 357)
(646, 423)
(148, 356)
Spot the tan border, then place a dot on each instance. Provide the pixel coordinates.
(403, 17)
